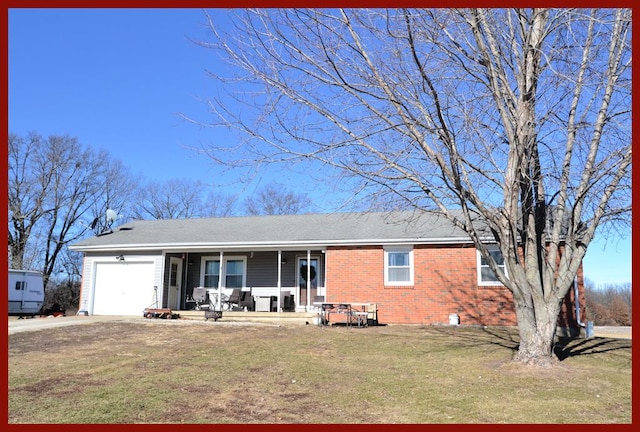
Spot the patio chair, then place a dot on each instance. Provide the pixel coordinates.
(200, 297)
(246, 301)
(234, 299)
(289, 303)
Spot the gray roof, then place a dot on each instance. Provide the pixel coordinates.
(307, 230)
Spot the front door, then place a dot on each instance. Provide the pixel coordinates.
(175, 283)
(307, 289)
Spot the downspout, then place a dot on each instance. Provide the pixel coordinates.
(576, 298)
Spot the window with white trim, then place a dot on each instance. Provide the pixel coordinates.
(486, 276)
(398, 266)
(234, 272)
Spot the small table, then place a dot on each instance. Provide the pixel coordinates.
(371, 310)
(360, 318)
(342, 309)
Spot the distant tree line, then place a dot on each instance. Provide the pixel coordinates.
(59, 191)
(608, 305)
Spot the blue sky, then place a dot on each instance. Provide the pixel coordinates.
(117, 79)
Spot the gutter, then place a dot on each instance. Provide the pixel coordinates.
(265, 245)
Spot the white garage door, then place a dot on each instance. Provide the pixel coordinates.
(123, 288)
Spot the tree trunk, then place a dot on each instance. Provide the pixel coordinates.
(17, 255)
(537, 327)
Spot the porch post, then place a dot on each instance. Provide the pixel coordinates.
(308, 279)
(182, 297)
(220, 276)
(279, 279)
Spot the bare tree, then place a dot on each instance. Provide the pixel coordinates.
(609, 304)
(55, 184)
(173, 199)
(218, 204)
(518, 120)
(25, 198)
(273, 199)
(118, 193)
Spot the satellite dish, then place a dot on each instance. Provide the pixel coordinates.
(112, 215)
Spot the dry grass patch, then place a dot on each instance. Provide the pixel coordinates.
(195, 372)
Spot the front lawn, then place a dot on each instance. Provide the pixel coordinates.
(180, 371)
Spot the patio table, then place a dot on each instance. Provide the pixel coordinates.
(344, 310)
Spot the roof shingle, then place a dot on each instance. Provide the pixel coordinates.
(278, 231)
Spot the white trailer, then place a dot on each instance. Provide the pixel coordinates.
(26, 292)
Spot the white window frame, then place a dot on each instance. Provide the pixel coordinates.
(398, 249)
(223, 268)
(480, 266)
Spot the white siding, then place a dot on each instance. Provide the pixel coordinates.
(110, 287)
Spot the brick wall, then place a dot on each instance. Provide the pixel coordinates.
(445, 282)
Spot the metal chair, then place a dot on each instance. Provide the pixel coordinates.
(213, 299)
(200, 297)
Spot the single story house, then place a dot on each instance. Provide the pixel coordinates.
(417, 267)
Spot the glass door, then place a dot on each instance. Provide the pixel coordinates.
(308, 289)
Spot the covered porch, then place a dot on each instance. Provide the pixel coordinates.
(237, 280)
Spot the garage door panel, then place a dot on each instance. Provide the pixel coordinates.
(123, 288)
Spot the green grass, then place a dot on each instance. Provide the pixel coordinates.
(186, 372)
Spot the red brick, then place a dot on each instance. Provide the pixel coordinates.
(445, 282)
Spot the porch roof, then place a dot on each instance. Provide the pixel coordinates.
(273, 232)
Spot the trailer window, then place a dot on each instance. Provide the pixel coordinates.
(20, 285)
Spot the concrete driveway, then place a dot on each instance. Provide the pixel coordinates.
(616, 332)
(33, 324)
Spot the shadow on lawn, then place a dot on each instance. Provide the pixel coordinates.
(566, 347)
(502, 337)
(508, 338)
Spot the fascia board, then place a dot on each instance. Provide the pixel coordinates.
(265, 245)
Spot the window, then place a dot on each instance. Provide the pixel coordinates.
(173, 274)
(211, 273)
(20, 285)
(398, 266)
(486, 276)
(234, 274)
